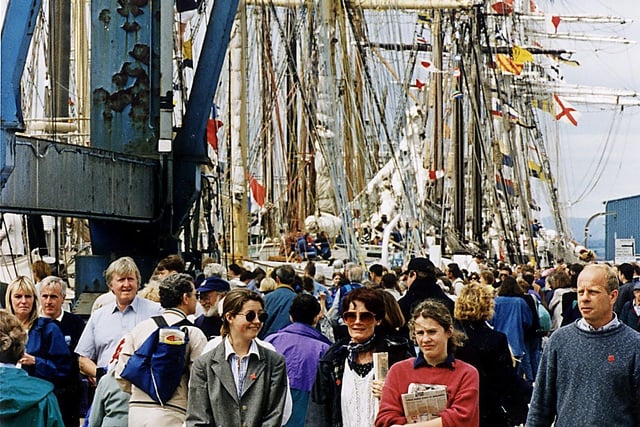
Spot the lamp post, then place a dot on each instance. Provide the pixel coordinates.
(591, 218)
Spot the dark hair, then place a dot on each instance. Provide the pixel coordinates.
(173, 287)
(393, 317)
(529, 278)
(559, 279)
(310, 269)
(371, 298)
(574, 271)
(304, 309)
(233, 302)
(307, 284)
(626, 270)
(171, 263)
(509, 287)
(246, 275)
(13, 338)
(259, 274)
(237, 270)
(286, 274)
(390, 281)
(376, 269)
(455, 270)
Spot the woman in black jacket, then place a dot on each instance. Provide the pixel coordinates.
(349, 363)
(629, 315)
(503, 395)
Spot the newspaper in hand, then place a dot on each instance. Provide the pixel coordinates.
(424, 402)
(380, 365)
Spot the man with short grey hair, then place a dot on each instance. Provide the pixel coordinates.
(52, 294)
(589, 373)
(178, 299)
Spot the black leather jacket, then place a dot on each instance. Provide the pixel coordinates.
(324, 403)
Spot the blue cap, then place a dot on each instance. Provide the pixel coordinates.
(214, 284)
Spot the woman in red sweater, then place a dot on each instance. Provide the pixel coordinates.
(432, 328)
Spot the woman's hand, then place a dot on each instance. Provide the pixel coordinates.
(376, 388)
(28, 360)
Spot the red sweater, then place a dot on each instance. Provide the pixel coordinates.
(462, 392)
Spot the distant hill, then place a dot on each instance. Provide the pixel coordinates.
(576, 227)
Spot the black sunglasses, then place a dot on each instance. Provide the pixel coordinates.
(251, 316)
(353, 316)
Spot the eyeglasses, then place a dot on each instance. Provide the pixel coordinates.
(362, 316)
(251, 316)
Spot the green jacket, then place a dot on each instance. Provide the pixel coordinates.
(27, 401)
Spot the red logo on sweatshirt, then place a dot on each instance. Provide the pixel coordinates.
(611, 358)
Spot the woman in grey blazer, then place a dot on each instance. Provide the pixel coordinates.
(238, 383)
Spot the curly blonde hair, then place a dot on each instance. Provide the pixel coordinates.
(475, 303)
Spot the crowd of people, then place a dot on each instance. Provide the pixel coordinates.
(364, 347)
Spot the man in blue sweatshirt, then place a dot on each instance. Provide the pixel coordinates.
(589, 374)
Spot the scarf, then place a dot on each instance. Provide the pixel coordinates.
(354, 348)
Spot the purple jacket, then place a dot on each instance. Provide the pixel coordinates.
(302, 346)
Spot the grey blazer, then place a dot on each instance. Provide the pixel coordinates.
(213, 400)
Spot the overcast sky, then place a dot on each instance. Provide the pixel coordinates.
(600, 159)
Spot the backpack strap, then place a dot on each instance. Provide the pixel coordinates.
(160, 321)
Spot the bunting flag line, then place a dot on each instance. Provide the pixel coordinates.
(505, 185)
(521, 55)
(503, 7)
(567, 61)
(187, 53)
(436, 174)
(507, 65)
(535, 170)
(213, 125)
(258, 191)
(555, 21)
(498, 109)
(423, 18)
(565, 112)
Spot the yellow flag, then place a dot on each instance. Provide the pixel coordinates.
(187, 51)
(521, 55)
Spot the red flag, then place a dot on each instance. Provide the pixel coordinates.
(503, 7)
(425, 64)
(213, 125)
(419, 84)
(436, 174)
(257, 190)
(555, 20)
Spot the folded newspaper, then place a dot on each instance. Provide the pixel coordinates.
(424, 402)
(380, 365)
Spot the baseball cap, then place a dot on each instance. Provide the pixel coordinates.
(214, 284)
(420, 264)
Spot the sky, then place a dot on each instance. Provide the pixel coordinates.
(599, 159)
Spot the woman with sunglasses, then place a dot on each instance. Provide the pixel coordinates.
(345, 392)
(432, 328)
(239, 382)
